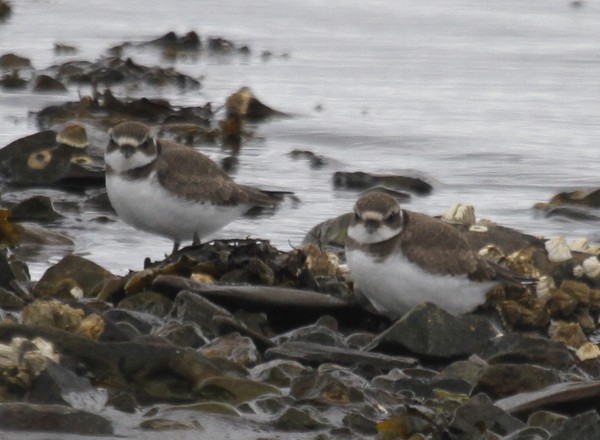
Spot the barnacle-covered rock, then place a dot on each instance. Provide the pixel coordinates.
(461, 214)
(558, 250)
(568, 333)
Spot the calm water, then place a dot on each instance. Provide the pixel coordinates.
(497, 103)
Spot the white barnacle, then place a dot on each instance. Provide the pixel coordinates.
(558, 250)
(588, 351)
(544, 287)
(591, 267)
(460, 214)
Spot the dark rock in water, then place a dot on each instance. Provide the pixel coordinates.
(501, 380)
(301, 419)
(45, 83)
(123, 401)
(72, 276)
(13, 81)
(234, 390)
(575, 213)
(52, 418)
(316, 354)
(5, 10)
(362, 181)
(431, 331)
(479, 415)
(59, 385)
(467, 371)
(398, 382)
(529, 349)
(359, 422)
(8, 300)
(39, 159)
(11, 61)
(171, 41)
(581, 197)
(317, 334)
(36, 208)
(584, 426)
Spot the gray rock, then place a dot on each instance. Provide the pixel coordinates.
(301, 419)
(529, 433)
(52, 418)
(585, 426)
(502, 380)
(431, 331)
(550, 421)
(478, 414)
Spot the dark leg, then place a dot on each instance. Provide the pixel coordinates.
(196, 241)
(176, 245)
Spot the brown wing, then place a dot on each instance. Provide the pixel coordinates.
(441, 248)
(198, 178)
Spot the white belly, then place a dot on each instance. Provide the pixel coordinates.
(145, 205)
(395, 285)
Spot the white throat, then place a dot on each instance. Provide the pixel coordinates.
(361, 235)
(120, 163)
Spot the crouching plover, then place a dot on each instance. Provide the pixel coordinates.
(400, 258)
(168, 189)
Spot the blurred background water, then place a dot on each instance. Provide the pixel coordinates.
(496, 103)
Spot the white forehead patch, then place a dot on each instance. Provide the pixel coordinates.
(372, 215)
(129, 140)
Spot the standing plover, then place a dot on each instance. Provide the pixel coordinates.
(171, 190)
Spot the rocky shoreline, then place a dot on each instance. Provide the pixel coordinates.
(239, 335)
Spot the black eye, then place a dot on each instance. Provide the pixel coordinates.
(392, 218)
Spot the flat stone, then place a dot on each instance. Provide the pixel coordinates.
(428, 330)
(52, 418)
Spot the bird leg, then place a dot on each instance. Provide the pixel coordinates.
(196, 241)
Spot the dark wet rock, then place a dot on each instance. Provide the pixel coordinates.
(528, 433)
(465, 371)
(13, 81)
(64, 49)
(144, 323)
(316, 354)
(39, 159)
(47, 84)
(59, 385)
(361, 423)
(172, 42)
(203, 407)
(502, 380)
(11, 61)
(165, 424)
(317, 334)
(550, 421)
(254, 272)
(584, 426)
(36, 208)
(193, 308)
(479, 415)
(234, 390)
(300, 419)
(71, 277)
(329, 385)
(184, 335)
(398, 382)
(581, 197)
(115, 70)
(361, 181)
(233, 347)
(315, 160)
(8, 300)
(528, 348)
(431, 331)
(566, 395)
(52, 418)
(5, 10)
(122, 401)
(574, 213)
(278, 372)
(149, 302)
